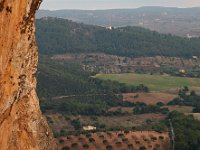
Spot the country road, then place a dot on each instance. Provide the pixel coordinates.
(172, 134)
(86, 95)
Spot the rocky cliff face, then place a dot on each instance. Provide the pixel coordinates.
(22, 126)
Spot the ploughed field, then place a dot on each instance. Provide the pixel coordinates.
(117, 141)
(149, 98)
(153, 82)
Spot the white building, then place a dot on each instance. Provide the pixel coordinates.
(89, 128)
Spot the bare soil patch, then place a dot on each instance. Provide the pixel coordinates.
(149, 98)
(195, 115)
(181, 109)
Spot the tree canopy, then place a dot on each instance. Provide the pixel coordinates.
(58, 36)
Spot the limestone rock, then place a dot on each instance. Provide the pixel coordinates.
(22, 126)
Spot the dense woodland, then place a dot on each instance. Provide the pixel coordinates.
(187, 131)
(57, 36)
(83, 105)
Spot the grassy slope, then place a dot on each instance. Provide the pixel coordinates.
(154, 82)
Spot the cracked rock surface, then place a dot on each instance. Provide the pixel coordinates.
(22, 126)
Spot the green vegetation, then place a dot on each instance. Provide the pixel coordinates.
(187, 131)
(77, 124)
(153, 82)
(149, 109)
(192, 72)
(93, 105)
(187, 99)
(86, 146)
(84, 94)
(65, 148)
(57, 78)
(183, 26)
(68, 89)
(74, 145)
(58, 36)
(160, 127)
(142, 148)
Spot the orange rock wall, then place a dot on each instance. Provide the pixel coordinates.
(22, 126)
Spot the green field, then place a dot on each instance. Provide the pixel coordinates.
(153, 82)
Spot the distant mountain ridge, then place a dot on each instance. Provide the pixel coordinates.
(177, 21)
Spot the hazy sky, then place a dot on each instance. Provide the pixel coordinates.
(110, 4)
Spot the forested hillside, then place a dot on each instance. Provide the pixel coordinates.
(82, 93)
(57, 78)
(57, 36)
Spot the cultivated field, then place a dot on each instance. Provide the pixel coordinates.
(144, 140)
(153, 82)
(149, 98)
(129, 121)
(59, 122)
(181, 109)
